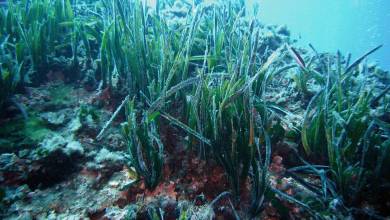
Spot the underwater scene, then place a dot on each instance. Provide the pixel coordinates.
(194, 109)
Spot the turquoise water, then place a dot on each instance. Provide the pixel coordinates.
(353, 26)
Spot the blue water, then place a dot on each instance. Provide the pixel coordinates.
(353, 26)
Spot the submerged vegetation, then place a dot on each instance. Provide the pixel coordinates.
(205, 71)
(145, 147)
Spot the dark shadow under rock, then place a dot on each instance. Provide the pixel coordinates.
(52, 169)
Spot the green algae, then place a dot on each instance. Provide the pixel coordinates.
(60, 95)
(20, 133)
(86, 111)
(36, 130)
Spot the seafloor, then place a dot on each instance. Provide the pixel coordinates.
(53, 166)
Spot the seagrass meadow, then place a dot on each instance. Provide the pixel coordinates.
(119, 109)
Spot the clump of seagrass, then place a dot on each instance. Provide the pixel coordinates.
(144, 144)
